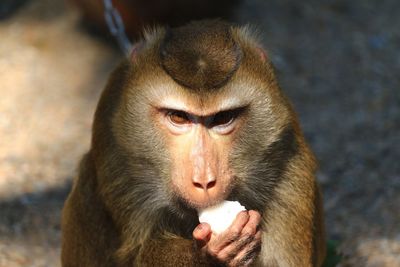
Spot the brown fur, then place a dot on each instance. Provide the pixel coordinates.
(185, 60)
(122, 210)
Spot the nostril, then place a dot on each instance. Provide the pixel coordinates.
(205, 186)
(198, 185)
(211, 184)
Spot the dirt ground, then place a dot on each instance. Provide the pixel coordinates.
(339, 62)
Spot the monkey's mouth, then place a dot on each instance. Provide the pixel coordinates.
(200, 202)
(193, 204)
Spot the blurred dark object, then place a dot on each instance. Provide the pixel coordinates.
(8, 7)
(333, 258)
(138, 14)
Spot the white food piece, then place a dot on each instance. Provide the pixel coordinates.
(220, 216)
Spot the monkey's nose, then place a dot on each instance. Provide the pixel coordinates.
(204, 184)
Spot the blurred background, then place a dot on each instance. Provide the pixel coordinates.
(338, 60)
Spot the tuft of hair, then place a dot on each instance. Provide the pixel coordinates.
(200, 55)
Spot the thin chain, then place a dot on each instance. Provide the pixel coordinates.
(116, 26)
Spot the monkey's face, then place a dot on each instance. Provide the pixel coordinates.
(198, 125)
(199, 138)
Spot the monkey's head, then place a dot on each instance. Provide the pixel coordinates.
(195, 116)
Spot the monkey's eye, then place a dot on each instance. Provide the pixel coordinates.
(178, 117)
(224, 118)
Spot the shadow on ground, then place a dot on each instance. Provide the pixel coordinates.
(28, 215)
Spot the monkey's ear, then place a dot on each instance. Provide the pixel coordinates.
(135, 50)
(262, 54)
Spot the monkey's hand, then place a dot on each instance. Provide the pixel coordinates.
(239, 245)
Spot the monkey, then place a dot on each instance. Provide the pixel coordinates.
(193, 117)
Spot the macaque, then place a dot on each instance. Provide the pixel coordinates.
(192, 118)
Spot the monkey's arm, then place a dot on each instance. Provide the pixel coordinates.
(89, 237)
(171, 251)
(239, 245)
(294, 231)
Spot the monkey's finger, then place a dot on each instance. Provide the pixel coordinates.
(234, 248)
(202, 234)
(232, 233)
(249, 252)
(249, 259)
(228, 253)
(247, 235)
(252, 225)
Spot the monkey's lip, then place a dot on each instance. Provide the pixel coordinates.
(198, 200)
(202, 203)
